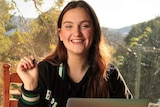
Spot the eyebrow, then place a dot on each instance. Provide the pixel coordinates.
(67, 22)
(81, 22)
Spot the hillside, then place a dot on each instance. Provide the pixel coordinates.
(116, 36)
(20, 24)
(112, 35)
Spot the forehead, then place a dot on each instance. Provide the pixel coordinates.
(76, 14)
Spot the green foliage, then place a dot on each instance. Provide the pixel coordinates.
(38, 37)
(9, 25)
(5, 41)
(142, 55)
(44, 31)
(146, 33)
(4, 16)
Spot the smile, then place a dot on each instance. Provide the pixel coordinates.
(77, 41)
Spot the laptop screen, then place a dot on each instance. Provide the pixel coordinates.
(106, 102)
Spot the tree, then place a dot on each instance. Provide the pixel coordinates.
(37, 36)
(141, 59)
(44, 31)
(5, 41)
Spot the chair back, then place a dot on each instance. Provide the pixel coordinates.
(10, 78)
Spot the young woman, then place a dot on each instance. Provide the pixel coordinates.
(80, 66)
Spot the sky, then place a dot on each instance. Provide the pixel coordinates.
(111, 13)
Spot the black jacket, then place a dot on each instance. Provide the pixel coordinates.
(55, 87)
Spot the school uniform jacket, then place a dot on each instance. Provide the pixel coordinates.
(55, 87)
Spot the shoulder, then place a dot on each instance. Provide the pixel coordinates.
(45, 67)
(49, 69)
(47, 73)
(45, 64)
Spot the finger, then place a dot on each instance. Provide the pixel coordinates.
(27, 62)
(24, 64)
(30, 60)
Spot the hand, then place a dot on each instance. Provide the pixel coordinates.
(28, 72)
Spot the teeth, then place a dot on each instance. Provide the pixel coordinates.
(77, 41)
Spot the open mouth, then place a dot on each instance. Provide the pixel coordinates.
(77, 40)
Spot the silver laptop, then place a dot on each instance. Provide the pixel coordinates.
(106, 102)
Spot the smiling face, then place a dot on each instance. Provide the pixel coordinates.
(76, 31)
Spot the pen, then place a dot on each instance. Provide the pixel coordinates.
(33, 61)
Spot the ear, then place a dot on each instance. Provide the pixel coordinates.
(59, 34)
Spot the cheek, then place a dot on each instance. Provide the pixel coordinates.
(60, 37)
(63, 36)
(90, 37)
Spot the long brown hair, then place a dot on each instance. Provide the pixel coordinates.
(99, 51)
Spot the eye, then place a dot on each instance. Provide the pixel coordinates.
(85, 26)
(68, 26)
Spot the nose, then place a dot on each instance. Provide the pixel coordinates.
(77, 31)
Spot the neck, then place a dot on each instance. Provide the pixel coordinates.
(77, 63)
(77, 67)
